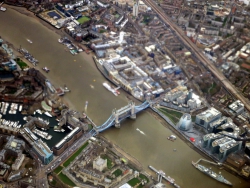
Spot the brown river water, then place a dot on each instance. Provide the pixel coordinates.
(144, 138)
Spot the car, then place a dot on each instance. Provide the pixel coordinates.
(46, 69)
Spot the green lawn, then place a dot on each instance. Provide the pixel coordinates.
(22, 64)
(193, 118)
(66, 163)
(174, 116)
(103, 31)
(133, 182)
(90, 126)
(66, 180)
(83, 19)
(142, 176)
(109, 162)
(117, 173)
(58, 169)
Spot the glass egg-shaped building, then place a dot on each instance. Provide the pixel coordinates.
(185, 123)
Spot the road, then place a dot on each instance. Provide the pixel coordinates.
(43, 170)
(192, 47)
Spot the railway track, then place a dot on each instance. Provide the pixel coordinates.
(206, 63)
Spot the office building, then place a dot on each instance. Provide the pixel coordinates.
(228, 148)
(18, 161)
(215, 124)
(189, 95)
(173, 95)
(237, 107)
(185, 123)
(67, 141)
(205, 118)
(14, 146)
(224, 146)
(42, 151)
(181, 99)
(209, 138)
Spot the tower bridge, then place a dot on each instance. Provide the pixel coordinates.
(118, 115)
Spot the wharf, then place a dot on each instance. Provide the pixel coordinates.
(167, 178)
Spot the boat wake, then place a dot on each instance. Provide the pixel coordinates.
(29, 41)
(141, 131)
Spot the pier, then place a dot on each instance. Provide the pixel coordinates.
(161, 175)
(213, 163)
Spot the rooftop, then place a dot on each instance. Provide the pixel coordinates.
(209, 114)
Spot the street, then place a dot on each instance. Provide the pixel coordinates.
(191, 46)
(41, 175)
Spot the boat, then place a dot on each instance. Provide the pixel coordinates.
(29, 41)
(66, 89)
(48, 114)
(172, 137)
(60, 40)
(48, 137)
(70, 128)
(20, 108)
(39, 111)
(116, 90)
(108, 87)
(212, 174)
(60, 91)
(46, 69)
(2, 8)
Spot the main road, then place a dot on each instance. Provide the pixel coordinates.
(209, 65)
(41, 180)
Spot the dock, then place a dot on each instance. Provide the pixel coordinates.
(167, 178)
(213, 163)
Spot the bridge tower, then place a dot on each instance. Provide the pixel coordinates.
(160, 175)
(117, 122)
(133, 114)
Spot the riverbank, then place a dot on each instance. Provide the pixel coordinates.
(144, 138)
(60, 33)
(203, 153)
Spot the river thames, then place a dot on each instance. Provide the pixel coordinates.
(144, 138)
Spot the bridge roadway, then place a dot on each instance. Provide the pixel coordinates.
(111, 120)
(190, 45)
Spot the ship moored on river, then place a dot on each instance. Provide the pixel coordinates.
(212, 174)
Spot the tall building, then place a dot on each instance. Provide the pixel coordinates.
(42, 151)
(185, 122)
(224, 146)
(189, 95)
(205, 118)
(237, 107)
(136, 9)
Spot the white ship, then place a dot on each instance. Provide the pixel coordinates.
(39, 111)
(29, 41)
(20, 108)
(2, 8)
(70, 128)
(48, 114)
(108, 87)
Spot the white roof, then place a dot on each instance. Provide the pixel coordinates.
(125, 186)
